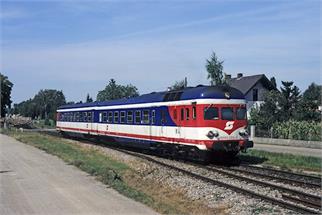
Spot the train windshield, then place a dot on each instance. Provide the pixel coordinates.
(241, 113)
(211, 113)
(227, 113)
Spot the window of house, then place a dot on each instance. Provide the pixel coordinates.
(194, 112)
(241, 113)
(116, 116)
(129, 116)
(255, 94)
(104, 116)
(153, 117)
(137, 117)
(187, 114)
(146, 116)
(182, 114)
(122, 116)
(227, 113)
(211, 113)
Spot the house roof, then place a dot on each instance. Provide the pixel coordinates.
(246, 83)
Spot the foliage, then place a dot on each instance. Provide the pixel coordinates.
(116, 91)
(178, 85)
(298, 130)
(289, 100)
(88, 98)
(308, 106)
(6, 87)
(215, 70)
(42, 106)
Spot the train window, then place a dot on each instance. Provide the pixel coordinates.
(104, 117)
(129, 116)
(89, 116)
(182, 114)
(146, 116)
(122, 116)
(116, 116)
(227, 113)
(175, 114)
(85, 116)
(110, 116)
(187, 114)
(77, 117)
(153, 117)
(194, 112)
(100, 118)
(163, 117)
(211, 113)
(137, 117)
(241, 113)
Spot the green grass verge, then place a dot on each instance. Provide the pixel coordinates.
(95, 163)
(283, 160)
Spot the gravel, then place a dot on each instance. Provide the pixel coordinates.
(214, 196)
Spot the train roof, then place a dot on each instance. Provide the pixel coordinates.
(199, 92)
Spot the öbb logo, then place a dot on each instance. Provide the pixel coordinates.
(229, 125)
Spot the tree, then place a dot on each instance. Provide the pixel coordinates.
(179, 85)
(308, 106)
(115, 91)
(5, 91)
(43, 105)
(88, 98)
(289, 99)
(215, 70)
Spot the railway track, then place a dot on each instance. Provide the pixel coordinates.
(291, 199)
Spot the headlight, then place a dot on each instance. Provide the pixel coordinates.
(212, 134)
(243, 132)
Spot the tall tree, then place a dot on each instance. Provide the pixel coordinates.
(116, 91)
(5, 89)
(215, 70)
(309, 104)
(289, 99)
(88, 98)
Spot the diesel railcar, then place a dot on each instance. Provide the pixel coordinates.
(198, 123)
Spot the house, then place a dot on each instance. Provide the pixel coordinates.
(253, 87)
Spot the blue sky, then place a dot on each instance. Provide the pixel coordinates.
(77, 46)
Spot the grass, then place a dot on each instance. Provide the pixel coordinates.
(115, 174)
(283, 160)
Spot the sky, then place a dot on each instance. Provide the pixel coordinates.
(78, 46)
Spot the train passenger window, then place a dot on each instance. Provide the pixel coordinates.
(211, 113)
(130, 116)
(182, 114)
(81, 117)
(153, 117)
(89, 116)
(227, 113)
(187, 114)
(77, 117)
(110, 116)
(137, 117)
(104, 117)
(175, 114)
(241, 113)
(116, 116)
(85, 116)
(146, 116)
(194, 112)
(163, 117)
(122, 116)
(100, 118)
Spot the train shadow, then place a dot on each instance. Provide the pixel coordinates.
(239, 160)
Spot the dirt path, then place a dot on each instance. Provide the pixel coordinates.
(34, 182)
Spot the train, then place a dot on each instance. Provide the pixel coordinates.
(195, 123)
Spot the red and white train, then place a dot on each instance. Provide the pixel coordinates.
(197, 123)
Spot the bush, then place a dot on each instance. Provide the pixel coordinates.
(298, 130)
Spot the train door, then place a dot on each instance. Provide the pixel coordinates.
(163, 122)
(176, 116)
